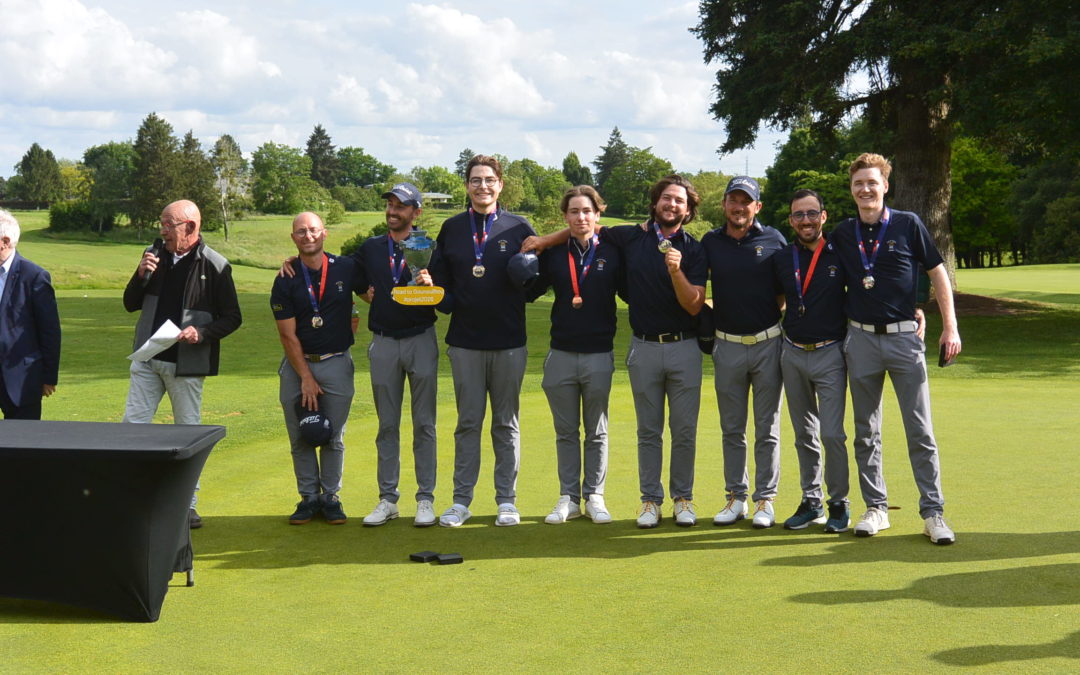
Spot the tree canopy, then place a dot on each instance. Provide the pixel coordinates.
(39, 176)
(324, 161)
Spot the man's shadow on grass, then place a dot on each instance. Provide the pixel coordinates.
(1067, 647)
(269, 542)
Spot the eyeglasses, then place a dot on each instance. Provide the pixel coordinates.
(173, 226)
(808, 215)
(314, 233)
(488, 181)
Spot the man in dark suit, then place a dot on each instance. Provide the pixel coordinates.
(29, 329)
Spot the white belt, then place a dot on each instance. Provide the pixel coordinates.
(767, 334)
(883, 328)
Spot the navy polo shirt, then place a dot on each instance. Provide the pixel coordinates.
(486, 312)
(824, 318)
(386, 316)
(907, 245)
(289, 299)
(744, 289)
(590, 329)
(654, 307)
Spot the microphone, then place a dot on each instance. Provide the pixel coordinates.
(155, 249)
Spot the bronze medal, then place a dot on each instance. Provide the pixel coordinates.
(577, 302)
(478, 271)
(316, 321)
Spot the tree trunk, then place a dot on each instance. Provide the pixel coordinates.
(922, 179)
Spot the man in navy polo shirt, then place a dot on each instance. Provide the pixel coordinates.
(313, 310)
(881, 251)
(403, 345)
(665, 290)
(812, 362)
(486, 336)
(746, 354)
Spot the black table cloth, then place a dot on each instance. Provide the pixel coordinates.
(96, 514)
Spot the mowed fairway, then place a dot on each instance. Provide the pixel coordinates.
(581, 597)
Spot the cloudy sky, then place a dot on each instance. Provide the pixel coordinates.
(411, 83)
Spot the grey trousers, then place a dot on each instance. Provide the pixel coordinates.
(673, 371)
(321, 474)
(902, 356)
(478, 375)
(577, 387)
(738, 369)
(150, 381)
(393, 360)
(815, 384)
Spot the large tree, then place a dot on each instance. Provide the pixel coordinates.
(627, 192)
(611, 155)
(156, 166)
(39, 176)
(112, 167)
(230, 168)
(463, 161)
(359, 169)
(574, 171)
(906, 66)
(324, 161)
(196, 180)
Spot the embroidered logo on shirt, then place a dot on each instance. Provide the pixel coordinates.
(758, 250)
(276, 307)
(892, 245)
(832, 270)
(502, 246)
(600, 262)
(340, 286)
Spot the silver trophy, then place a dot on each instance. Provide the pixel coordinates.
(418, 248)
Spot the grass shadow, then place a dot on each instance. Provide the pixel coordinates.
(1027, 586)
(19, 610)
(1067, 647)
(269, 542)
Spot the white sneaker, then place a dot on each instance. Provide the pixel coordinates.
(565, 509)
(736, 509)
(684, 513)
(873, 521)
(938, 530)
(508, 515)
(763, 514)
(384, 512)
(425, 514)
(597, 510)
(650, 515)
(454, 516)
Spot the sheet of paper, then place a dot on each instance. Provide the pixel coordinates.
(164, 338)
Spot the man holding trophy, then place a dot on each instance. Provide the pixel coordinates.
(403, 345)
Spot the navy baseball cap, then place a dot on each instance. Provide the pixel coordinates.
(523, 268)
(407, 193)
(316, 429)
(747, 185)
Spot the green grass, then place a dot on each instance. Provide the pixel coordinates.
(1056, 284)
(275, 598)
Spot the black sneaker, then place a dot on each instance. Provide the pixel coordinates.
(808, 512)
(194, 520)
(332, 511)
(305, 511)
(839, 517)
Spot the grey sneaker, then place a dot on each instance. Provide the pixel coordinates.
(508, 515)
(735, 510)
(938, 530)
(650, 515)
(425, 514)
(565, 509)
(873, 521)
(684, 513)
(384, 512)
(597, 510)
(455, 516)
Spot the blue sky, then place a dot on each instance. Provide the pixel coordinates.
(411, 83)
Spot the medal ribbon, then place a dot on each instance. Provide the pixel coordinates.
(868, 265)
(659, 236)
(586, 263)
(395, 272)
(322, 283)
(478, 241)
(801, 286)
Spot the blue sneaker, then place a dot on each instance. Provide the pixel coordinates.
(305, 511)
(808, 512)
(332, 511)
(839, 517)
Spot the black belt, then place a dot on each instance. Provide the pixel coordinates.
(664, 338)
